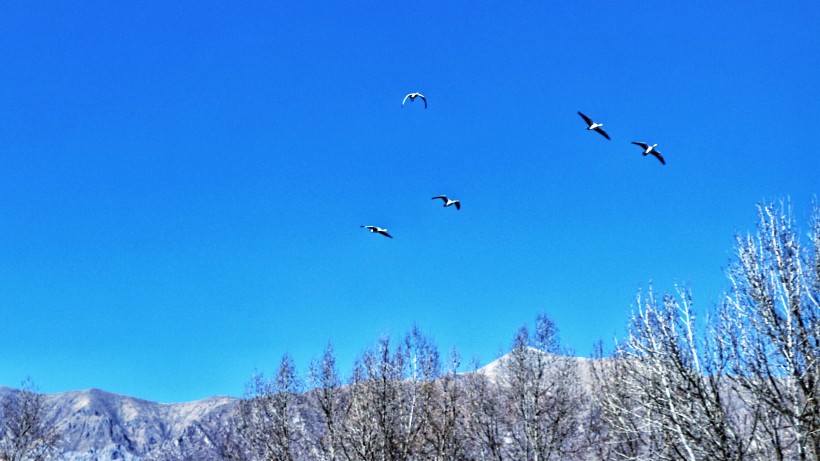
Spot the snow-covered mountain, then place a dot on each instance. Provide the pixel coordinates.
(99, 426)
(494, 369)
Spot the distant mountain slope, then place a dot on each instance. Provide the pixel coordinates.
(96, 425)
(493, 370)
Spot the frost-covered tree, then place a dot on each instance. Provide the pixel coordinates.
(24, 433)
(667, 393)
(770, 329)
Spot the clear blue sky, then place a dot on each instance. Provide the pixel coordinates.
(182, 183)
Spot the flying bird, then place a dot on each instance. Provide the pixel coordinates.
(378, 230)
(594, 126)
(448, 202)
(413, 97)
(647, 150)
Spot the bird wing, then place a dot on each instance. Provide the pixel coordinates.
(586, 119)
(369, 227)
(603, 133)
(659, 156)
(642, 144)
(423, 99)
(443, 197)
(404, 100)
(457, 204)
(384, 232)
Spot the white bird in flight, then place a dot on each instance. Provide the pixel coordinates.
(448, 202)
(413, 96)
(647, 150)
(378, 230)
(594, 126)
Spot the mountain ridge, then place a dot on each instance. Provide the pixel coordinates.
(99, 425)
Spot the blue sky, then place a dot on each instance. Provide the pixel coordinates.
(182, 183)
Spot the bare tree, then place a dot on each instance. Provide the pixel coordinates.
(771, 328)
(360, 432)
(384, 373)
(270, 424)
(542, 388)
(445, 434)
(390, 399)
(370, 425)
(625, 431)
(326, 398)
(610, 428)
(488, 423)
(417, 358)
(24, 433)
(669, 394)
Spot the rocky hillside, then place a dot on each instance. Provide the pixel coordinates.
(96, 425)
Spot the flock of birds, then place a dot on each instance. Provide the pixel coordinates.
(591, 126)
(647, 149)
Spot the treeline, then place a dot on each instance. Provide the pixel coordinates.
(740, 385)
(405, 402)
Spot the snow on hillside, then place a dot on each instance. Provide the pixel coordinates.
(96, 425)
